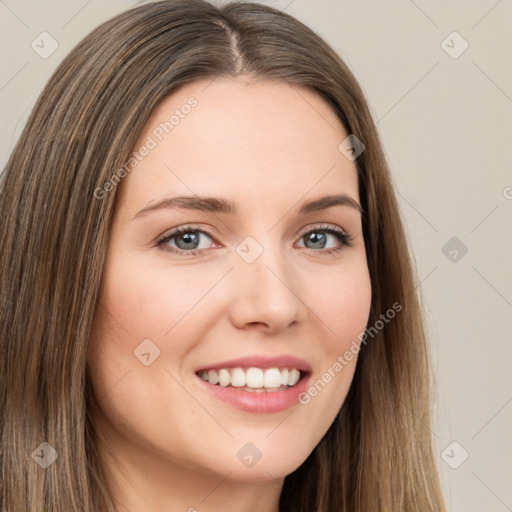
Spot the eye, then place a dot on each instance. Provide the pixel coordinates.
(319, 236)
(186, 240)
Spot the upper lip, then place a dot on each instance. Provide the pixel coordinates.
(258, 361)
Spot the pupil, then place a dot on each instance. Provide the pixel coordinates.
(318, 240)
(189, 239)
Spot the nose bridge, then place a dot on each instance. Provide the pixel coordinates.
(265, 284)
(261, 258)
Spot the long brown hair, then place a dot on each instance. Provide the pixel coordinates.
(377, 455)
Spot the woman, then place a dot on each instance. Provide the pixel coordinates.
(207, 297)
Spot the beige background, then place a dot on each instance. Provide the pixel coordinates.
(446, 124)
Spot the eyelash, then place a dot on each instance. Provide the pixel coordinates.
(345, 239)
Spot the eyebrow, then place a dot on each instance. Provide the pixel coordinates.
(219, 205)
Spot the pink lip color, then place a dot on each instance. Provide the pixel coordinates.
(259, 402)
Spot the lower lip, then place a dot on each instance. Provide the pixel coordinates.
(258, 402)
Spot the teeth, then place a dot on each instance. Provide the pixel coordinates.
(272, 378)
(212, 377)
(253, 378)
(238, 378)
(224, 377)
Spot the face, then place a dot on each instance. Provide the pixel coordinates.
(273, 283)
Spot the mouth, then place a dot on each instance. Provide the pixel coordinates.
(254, 379)
(256, 390)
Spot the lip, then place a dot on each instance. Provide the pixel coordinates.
(257, 361)
(265, 402)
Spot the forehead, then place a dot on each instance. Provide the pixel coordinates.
(239, 138)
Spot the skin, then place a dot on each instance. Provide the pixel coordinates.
(165, 443)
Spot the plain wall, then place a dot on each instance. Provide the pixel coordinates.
(446, 124)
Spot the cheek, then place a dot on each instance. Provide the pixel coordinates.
(341, 310)
(148, 300)
(341, 301)
(150, 303)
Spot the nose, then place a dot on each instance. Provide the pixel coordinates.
(266, 293)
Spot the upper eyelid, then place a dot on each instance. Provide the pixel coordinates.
(323, 226)
(192, 227)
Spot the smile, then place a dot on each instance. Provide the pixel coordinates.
(255, 390)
